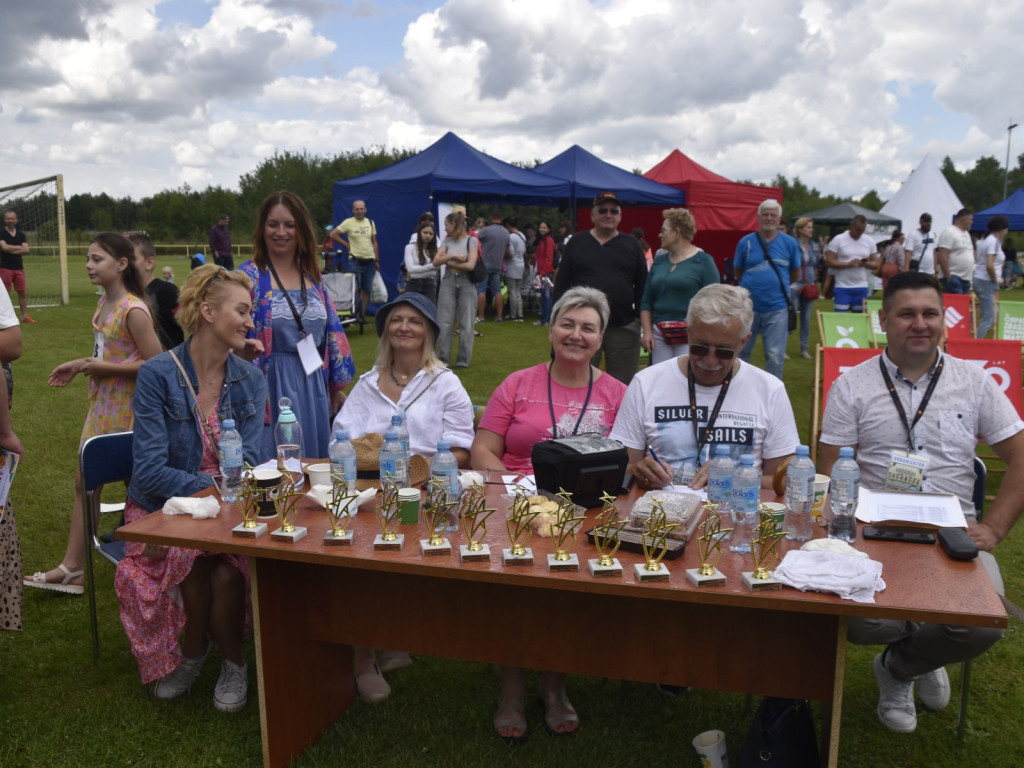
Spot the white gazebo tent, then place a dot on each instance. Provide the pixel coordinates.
(925, 191)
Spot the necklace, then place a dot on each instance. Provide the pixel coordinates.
(398, 383)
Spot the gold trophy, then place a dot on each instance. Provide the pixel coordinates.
(474, 525)
(606, 540)
(388, 519)
(765, 551)
(435, 515)
(709, 549)
(563, 534)
(249, 506)
(340, 509)
(517, 525)
(654, 540)
(285, 507)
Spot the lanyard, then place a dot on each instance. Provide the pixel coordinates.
(714, 411)
(302, 278)
(551, 404)
(899, 405)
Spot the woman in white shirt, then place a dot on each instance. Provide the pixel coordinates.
(988, 266)
(419, 261)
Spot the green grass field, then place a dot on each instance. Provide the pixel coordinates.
(57, 708)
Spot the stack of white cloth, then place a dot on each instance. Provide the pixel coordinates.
(208, 506)
(829, 565)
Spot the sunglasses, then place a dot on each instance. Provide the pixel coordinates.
(703, 350)
(613, 211)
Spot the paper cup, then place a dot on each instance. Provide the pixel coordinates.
(778, 510)
(267, 480)
(319, 474)
(820, 492)
(710, 747)
(409, 505)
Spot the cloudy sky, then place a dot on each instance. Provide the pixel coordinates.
(130, 97)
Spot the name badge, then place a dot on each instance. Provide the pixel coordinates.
(98, 340)
(309, 355)
(906, 472)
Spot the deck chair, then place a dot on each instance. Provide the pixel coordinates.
(829, 364)
(871, 307)
(980, 478)
(1011, 321)
(343, 289)
(103, 459)
(959, 315)
(846, 330)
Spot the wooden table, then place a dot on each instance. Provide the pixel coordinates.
(309, 599)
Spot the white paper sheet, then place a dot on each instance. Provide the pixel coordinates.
(939, 510)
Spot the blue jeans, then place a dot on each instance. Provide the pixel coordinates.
(986, 291)
(773, 327)
(806, 309)
(365, 268)
(956, 284)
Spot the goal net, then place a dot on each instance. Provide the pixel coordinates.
(39, 205)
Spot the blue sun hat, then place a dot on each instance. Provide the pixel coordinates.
(418, 300)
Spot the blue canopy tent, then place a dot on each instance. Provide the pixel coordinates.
(1012, 208)
(449, 170)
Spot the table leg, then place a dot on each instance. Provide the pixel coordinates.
(832, 711)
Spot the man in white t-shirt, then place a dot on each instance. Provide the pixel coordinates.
(853, 255)
(954, 253)
(919, 248)
(735, 403)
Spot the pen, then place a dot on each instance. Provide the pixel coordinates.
(651, 450)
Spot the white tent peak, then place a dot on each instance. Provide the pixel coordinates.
(925, 191)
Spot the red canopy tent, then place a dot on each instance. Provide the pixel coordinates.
(724, 210)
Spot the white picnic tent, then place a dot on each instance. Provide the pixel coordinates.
(925, 191)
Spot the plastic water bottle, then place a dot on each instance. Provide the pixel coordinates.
(343, 458)
(842, 493)
(393, 463)
(398, 424)
(799, 495)
(288, 439)
(746, 493)
(445, 467)
(720, 472)
(229, 453)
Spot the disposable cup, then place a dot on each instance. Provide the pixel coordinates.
(409, 505)
(710, 747)
(319, 474)
(820, 492)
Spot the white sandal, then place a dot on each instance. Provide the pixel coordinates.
(38, 580)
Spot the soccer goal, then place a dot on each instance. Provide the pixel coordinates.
(39, 205)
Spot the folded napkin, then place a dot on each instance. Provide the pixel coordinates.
(832, 545)
(208, 506)
(852, 578)
(322, 493)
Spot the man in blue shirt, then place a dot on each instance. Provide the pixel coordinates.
(766, 263)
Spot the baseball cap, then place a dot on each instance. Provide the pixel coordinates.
(606, 197)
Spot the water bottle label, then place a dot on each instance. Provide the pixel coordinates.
(231, 455)
(393, 467)
(800, 487)
(746, 498)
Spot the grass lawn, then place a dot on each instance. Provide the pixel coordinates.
(57, 708)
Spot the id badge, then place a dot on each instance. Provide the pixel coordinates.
(308, 354)
(906, 472)
(98, 339)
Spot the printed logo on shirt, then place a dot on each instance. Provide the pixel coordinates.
(666, 414)
(730, 435)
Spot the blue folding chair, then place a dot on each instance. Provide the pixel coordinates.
(103, 459)
(980, 479)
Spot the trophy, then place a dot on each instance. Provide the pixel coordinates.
(435, 515)
(517, 525)
(339, 511)
(474, 524)
(563, 534)
(765, 551)
(606, 540)
(249, 506)
(709, 549)
(284, 506)
(654, 540)
(388, 519)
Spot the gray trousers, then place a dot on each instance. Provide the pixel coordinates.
(456, 301)
(621, 350)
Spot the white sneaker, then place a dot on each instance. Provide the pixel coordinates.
(895, 700)
(933, 688)
(389, 661)
(230, 693)
(181, 678)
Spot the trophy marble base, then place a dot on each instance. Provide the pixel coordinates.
(597, 570)
(467, 555)
(249, 533)
(427, 549)
(507, 558)
(694, 576)
(345, 540)
(380, 545)
(760, 585)
(292, 536)
(572, 564)
(643, 575)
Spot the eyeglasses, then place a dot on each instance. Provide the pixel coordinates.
(613, 211)
(703, 350)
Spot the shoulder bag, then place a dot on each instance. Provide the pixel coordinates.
(782, 284)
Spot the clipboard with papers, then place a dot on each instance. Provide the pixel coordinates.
(910, 509)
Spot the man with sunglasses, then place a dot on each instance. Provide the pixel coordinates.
(676, 412)
(612, 262)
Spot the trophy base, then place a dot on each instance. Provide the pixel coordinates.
(643, 575)
(380, 545)
(598, 570)
(572, 564)
(345, 540)
(249, 533)
(760, 585)
(467, 555)
(507, 558)
(291, 537)
(427, 549)
(694, 576)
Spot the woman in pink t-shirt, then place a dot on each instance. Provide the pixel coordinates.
(564, 397)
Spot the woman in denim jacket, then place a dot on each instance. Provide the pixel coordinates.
(176, 603)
